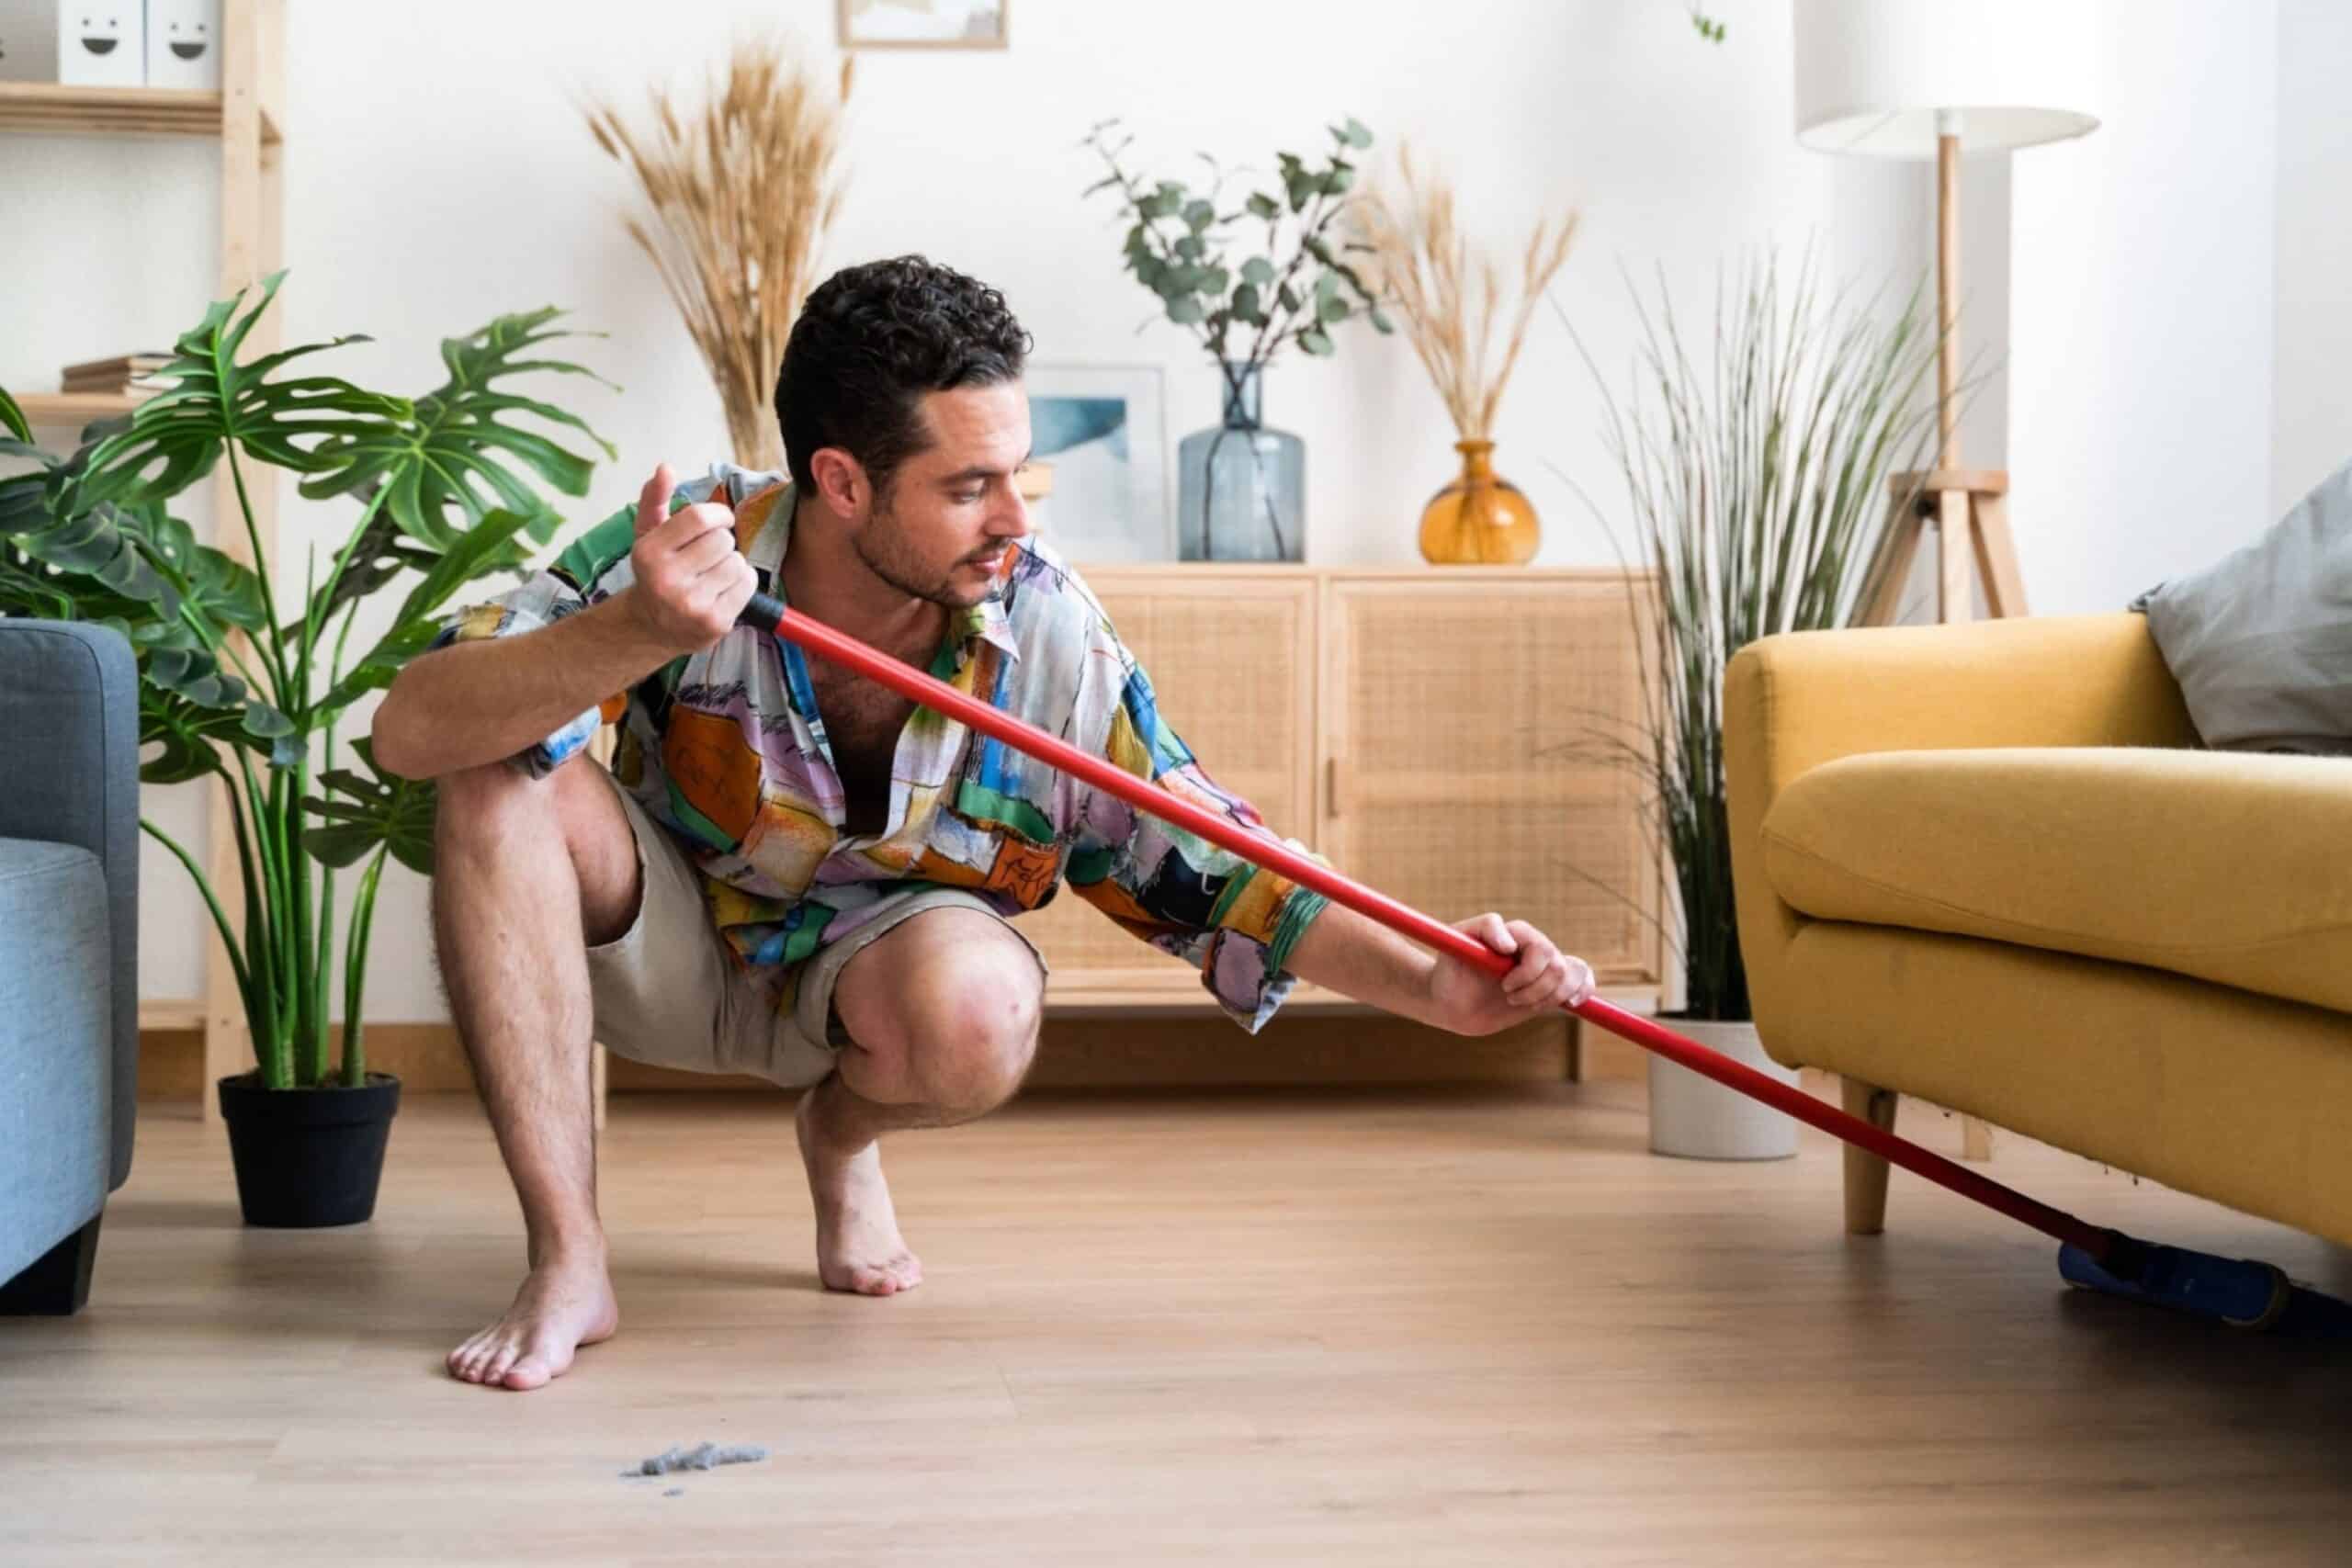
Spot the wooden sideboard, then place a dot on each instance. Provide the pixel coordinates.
(1417, 726)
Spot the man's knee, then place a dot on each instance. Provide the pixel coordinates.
(499, 818)
(485, 803)
(970, 1044)
(499, 806)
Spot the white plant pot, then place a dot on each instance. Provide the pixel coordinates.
(1696, 1118)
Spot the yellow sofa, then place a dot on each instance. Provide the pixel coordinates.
(1989, 866)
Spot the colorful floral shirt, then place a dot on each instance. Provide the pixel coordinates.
(726, 749)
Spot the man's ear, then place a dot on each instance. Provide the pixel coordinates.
(841, 481)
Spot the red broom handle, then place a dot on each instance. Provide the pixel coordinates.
(769, 614)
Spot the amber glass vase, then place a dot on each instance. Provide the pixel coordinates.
(1479, 519)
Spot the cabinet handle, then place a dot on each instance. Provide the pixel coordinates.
(1332, 785)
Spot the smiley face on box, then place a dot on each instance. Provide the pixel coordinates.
(101, 43)
(183, 43)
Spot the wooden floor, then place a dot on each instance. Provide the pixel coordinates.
(1370, 1328)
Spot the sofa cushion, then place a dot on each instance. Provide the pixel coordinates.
(2261, 640)
(56, 1046)
(2226, 867)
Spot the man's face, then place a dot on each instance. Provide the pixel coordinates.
(942, 530)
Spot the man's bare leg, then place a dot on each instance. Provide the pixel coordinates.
(528, 874)
(943, 1012)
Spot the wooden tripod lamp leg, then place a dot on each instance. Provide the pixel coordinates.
(1890, 569)
(1955, 584)
(1997, 556)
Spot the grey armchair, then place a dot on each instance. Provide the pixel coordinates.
(69, 950)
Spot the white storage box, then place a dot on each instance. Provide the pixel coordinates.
(101, 43)
(183, 43)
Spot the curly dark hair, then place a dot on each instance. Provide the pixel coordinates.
(870, 342)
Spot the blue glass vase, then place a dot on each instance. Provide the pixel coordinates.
(1242, 488)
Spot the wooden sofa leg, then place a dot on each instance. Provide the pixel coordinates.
(1976, 1138)
(1865, 1172)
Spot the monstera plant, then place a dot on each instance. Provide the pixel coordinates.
(237, 682)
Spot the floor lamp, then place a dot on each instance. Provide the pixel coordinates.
(1925, 79)
(1930, 79)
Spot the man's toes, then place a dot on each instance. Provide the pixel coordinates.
(871, 1282)
(529, 1372)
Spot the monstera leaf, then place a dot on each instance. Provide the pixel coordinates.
(363, 812)
(455, 452)
(191, 733)
(47, 516)
(215, 586)
(173, 439)
(26, 590)
(488, 546)
(382, 553)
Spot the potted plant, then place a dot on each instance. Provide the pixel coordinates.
(1242, 487)
(236, 686)
(1757, 485)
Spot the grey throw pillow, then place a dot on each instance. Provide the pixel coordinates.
(2261, 642)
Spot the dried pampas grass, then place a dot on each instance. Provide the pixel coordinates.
(1449, 296)
(741, 189)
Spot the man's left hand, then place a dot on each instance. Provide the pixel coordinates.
(1469, 1000)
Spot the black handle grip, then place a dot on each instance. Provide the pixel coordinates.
(764, 610)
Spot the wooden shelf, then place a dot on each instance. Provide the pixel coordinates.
(159, 1013)
(72, 410)
(56, 109)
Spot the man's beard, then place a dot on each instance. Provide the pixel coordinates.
(882, 546)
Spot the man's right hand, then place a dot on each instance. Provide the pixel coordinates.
(689, 579)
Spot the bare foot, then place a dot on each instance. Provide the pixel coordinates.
(566, 1302)
(859, 1248)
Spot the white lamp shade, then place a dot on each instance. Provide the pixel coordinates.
(1879, 76)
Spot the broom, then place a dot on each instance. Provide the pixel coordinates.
(2244, 1293)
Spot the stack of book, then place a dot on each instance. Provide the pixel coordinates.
(123, 373)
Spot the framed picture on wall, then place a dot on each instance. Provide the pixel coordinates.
(922, 24)
(1105, 430)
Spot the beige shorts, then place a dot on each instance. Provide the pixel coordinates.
(670, 992)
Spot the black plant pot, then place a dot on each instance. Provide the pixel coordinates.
(308, 1157)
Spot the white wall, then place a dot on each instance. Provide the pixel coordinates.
(2314, 263)
(2140, 312)
(438, 174)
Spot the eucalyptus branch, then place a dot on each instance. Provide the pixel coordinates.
(1194, 276)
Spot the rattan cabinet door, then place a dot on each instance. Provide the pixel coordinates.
(1462, 710)
(1230, 652)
